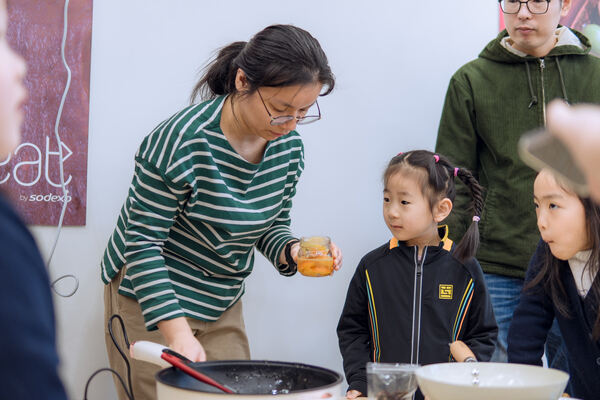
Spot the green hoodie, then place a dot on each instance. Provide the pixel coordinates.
(490, 103)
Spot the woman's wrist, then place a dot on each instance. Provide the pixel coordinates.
(289, 252)
(180, 338)
(175, 329)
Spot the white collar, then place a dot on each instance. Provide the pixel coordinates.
(581, 274)
(564, 37)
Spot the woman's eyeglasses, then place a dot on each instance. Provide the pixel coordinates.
(282, 119)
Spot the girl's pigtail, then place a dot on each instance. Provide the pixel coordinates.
(467, 248)
(219, 75)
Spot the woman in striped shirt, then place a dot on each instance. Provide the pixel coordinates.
(211, 183)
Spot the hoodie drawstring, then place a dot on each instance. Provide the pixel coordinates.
(562, 81)
(534, 99)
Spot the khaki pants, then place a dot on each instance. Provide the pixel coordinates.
(224, 339)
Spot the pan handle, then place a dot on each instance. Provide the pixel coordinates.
(148, 351)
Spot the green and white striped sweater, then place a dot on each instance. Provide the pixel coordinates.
(194, 212)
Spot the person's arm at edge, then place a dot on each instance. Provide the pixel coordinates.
(27, 316)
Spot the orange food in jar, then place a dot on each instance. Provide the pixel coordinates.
(314, 256)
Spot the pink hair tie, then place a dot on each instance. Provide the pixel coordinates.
(455, 172)
(437, 158)
(399, 154)
(476, 218)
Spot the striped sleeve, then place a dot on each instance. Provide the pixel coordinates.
(153, 207)
(273, 241)
(479, 331)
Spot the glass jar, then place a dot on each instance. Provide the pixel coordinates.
(391, 381)
(314, 256)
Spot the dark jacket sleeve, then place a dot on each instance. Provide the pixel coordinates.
(457, 140)
(482, 331)
(27, 344)
(354, 332)
(532, 318)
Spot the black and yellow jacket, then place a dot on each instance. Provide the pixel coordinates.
(401, 309)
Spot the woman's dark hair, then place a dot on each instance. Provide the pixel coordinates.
(279, 55)
(549, 275)
(437, 182)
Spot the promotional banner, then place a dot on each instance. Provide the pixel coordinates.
(583, 16)
(30, 176)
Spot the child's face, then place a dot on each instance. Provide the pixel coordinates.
(12, 91)
(407, 212)
(534, 33)
(560, 217)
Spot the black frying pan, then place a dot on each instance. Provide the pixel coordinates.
(253, 377)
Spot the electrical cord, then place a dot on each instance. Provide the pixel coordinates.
(129, 392)
(87, 384)
(114, 340)
(61, 161)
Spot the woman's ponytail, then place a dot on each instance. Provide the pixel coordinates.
(467, 248)
(277, 56)
(219, 75)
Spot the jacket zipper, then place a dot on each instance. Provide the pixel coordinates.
(417, 300)
(542, 67)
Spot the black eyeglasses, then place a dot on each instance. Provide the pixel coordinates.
(534, 6)
(282, 119)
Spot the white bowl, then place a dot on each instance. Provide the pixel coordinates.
(497, 381)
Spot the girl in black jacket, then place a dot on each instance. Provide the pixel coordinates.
(562, 283)
(416, 294)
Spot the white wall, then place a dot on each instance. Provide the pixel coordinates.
(392, 59)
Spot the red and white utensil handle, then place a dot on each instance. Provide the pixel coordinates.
(148, 351)
(185, 367)
(155, 353)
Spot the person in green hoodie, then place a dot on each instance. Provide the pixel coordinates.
(490, 103)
